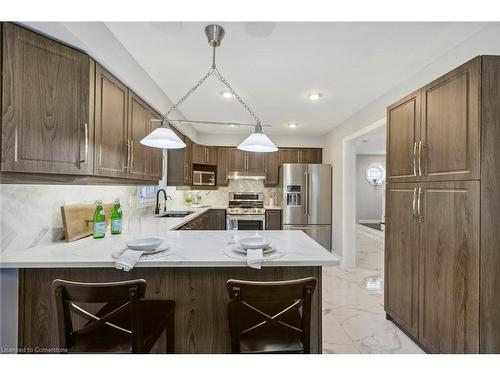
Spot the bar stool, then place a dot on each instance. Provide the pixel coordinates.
(127, 323)
(270, 317)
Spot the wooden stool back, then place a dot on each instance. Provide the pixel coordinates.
(294, 294)
(121, 296)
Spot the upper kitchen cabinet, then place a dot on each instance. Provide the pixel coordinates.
(237, 160)
(204, 154)
(272, 168)
(138, 128)
(300, 155)
(288, 156)
(179, 163)
(256, 161)
(222, 166)
(311, 156)
(403, 139)
(450, 126)
(112, 145)
(47, 105)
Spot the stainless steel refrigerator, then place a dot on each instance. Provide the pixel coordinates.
(307, 200)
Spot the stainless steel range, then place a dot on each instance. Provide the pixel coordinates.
(246, 211)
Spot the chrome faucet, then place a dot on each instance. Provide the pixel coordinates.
(165, 195)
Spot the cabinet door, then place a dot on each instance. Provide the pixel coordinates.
(217, 219)
(449, 264)
(176, 163)
(222, 166)
(288, 155)
(199, 154)
(450, 125)
(138, 127)
(403, 136)
(155, 154)
(273, 219)
(237, 159)
(211, 158)
(47, 117)
(311, 156)
(256, 160)
(402, 256)
(112, 146)
(271, 168)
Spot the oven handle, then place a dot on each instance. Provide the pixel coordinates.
(247, 217)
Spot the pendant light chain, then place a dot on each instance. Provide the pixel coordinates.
(214, 71)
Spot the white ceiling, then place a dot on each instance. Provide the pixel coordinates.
(372, 143)
(274, 66)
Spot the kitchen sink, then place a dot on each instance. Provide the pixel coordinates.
(175, 214)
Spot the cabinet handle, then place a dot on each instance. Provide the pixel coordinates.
(420, 158)
(131, 154)
(127, 167)
(420, 216)
(415, 158)
(414, 202)
(86, 142)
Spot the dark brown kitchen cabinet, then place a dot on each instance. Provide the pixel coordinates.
(237, 160)
(217, 219)
(256, 161)
(288, 156)
(449, 261)
(138, 128)
(204, 154)
(47, 105)
(403, 139)
(450, 127)
(273, 220)
(402, 256)
(311, 156)
(156, 155)
(179, 163)
(271, 168)
(112, 145)
(222, 166)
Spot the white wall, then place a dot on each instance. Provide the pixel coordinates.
(369, 198)
(486, 41)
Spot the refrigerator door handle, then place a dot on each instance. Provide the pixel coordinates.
(306, 192)
(309, 194)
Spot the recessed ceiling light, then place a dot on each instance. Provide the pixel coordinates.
(293, 125)
(226, 94)
(315, 96)
(364, 141)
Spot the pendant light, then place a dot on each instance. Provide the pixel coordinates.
(164, 137)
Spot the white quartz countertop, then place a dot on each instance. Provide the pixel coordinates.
(190, 249)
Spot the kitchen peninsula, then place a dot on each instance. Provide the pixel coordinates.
(194, 275)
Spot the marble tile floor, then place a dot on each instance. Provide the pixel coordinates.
(353, 304)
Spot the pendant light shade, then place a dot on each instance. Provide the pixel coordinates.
(163, 137)
(257, 142)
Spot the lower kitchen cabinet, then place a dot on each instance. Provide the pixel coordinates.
(432, 263)
(217, 219)
(211, 220)
(273, 220)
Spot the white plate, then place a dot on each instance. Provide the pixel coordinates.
(241, 250)
(254, 242)
(145, 244)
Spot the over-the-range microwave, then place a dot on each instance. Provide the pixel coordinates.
(203, 178)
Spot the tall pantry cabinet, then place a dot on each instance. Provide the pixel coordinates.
(442, 258)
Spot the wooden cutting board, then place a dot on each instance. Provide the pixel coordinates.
(77, 220)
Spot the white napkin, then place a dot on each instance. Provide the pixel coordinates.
(128, 259)
(255, 258)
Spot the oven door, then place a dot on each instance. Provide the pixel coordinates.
(247, 222)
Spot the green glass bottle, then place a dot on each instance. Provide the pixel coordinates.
(116, 218)
(99, 220)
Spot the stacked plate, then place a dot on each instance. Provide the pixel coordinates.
(254, 242)
(148, 245)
